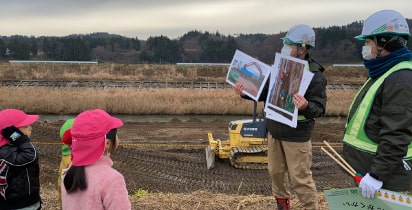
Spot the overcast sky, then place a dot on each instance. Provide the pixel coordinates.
(173, 18)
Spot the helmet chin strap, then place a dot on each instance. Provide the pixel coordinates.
(305, 39)
(297, 51)
(394, 38)
(377, 47)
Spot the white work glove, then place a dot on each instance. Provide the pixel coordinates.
(369, 186)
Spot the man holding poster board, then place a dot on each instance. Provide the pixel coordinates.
(289, 146)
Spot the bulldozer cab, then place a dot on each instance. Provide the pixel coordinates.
(250, 128)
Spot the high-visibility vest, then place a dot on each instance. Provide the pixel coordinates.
(355, 134)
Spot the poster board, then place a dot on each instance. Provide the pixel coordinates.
(351, 198)
(288, 76)
(249, 71)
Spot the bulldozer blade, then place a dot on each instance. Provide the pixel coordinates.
(210, 157)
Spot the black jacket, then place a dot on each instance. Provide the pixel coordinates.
(316, 97)
(389, 124)
(20, 165)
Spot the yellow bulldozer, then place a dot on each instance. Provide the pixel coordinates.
(246, 147)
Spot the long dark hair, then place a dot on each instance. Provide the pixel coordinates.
(75, 179)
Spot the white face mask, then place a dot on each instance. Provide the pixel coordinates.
(286, 50)
(367, 53)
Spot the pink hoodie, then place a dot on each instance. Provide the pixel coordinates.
(106, 189)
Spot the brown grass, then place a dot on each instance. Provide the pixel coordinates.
(204, 200)
(150, 72)
(339, 102)
(200, 200)
(112, 72)
(145, 101)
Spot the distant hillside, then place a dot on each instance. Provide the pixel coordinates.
(334, 44)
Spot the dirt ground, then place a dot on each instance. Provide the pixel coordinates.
(169, 157)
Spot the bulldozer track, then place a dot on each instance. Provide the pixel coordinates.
(238, 152)
(106, 84)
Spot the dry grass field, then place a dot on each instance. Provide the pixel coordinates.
(147, 72)
(147, 188)
(145, 101)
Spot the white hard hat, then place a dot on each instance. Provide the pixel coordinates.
(300, 34)
(384, 22)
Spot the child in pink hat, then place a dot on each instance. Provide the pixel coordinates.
(19, 163)
(91, 182)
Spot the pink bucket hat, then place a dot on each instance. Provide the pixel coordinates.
(88, 132)
(15, 117)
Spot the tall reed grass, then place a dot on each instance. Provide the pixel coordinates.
(145, 101)
(112, 72)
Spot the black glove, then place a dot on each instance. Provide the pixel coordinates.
(14, 135)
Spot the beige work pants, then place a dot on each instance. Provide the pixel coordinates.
(290, 162)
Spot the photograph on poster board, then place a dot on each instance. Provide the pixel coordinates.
(250, 72)
(287, 77)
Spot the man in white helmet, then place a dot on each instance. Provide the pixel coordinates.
(378, 134)
(290, 149)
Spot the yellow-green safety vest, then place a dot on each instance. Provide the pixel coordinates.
(355, 130)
